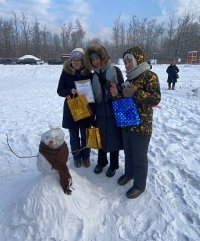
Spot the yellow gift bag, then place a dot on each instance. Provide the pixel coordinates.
(93, 138)
(79, 107)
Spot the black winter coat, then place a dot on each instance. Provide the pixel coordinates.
(172, 71)
(66, 83)
(111, 135)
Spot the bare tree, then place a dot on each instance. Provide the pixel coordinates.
(6, 38)
(170, 34)
(45, 43)
(16, 34)
(25, 31)
(77, 35)
(118, 33)
(66, 30)
(182, 29)
(36, 38)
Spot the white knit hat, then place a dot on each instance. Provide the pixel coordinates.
(77, 53)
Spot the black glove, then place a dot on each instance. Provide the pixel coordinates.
(94, 122)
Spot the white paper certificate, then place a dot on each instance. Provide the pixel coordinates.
(84, 87)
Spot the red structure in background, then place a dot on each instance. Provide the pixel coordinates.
(192, 57)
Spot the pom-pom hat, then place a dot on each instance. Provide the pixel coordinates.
(77, 53)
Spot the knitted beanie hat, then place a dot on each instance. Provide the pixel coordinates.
(138, 53)
(77, 53)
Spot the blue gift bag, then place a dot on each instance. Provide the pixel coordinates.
(126, 113)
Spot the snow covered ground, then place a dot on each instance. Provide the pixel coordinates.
(34, 207)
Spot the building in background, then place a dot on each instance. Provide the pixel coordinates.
(192, 57)
(65, 57)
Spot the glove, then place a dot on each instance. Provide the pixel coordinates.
(130, 91)
(94, 123)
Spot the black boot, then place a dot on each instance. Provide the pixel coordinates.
(173, 86)
(123, 180)
(133, 193)
(77, 163)
(98, 169)
(169, 86)
(110, 172)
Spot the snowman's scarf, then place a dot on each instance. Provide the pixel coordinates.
(58, 157)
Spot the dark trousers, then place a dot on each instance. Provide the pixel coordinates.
(103, 160)
(169, 86)
(78, 142)
(136, 161)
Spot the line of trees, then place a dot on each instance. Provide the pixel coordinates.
(19, 37)
(162, 41)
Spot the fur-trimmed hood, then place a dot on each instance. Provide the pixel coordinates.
(69, 70)
(100, 50)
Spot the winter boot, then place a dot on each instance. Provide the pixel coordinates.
(133, 193)
(77, 163)
(123, 180)
(169, 86)
(173, 87)
(98, 169)
(86, 163)
(110, 172)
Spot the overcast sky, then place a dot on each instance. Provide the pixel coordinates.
(96, 16)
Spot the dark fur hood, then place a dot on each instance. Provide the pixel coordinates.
(69, 70)
(100, 50)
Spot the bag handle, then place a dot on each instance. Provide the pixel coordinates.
(69, 97)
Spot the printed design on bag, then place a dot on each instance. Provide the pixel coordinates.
(126, 113)
(79, 107)
(93, 138)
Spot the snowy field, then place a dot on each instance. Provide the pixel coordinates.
(33, 207)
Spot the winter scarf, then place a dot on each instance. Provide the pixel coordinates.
(58, 158)
(138, 70)
(110, 76)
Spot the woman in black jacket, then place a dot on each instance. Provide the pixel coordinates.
(74, 70)
(97, 59)
(172, 71)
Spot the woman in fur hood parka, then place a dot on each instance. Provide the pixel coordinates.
(97, 59)
(144, 88)
(73, 70)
